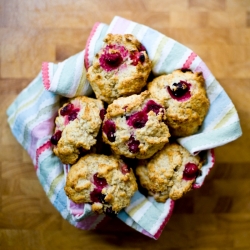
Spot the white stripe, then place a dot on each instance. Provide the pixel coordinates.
(183, 59)
(213, 91)
(162, 217)
(141, 33)
(56, 77)
(219, 117)
(140, 212)
(165, 52)
(78, 71)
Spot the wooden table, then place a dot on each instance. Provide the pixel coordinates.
(217, 216)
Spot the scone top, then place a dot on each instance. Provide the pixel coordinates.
(120, 68)
(183, 94)
(134, 126)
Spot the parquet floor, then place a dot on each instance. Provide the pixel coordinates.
(217, 216)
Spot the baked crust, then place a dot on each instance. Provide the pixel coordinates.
(104, 181)
(129, 77)
(186, 116)
(163, 175)
(151, 135)
(77, 135)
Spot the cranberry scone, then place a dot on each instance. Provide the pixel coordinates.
(77, 126)
(120, 68)
(170, 173)
(133, 126)
(183, 94)
(105, 182)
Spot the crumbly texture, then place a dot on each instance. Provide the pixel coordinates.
(185, 113)
(79, 122)
(120, 68)
(134, 127)
(164, 175)
(103, 181)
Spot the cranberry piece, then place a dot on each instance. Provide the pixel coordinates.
(152, 105)
(180, 91)
(136, 57)
(100, 182)
(124, 168)
(133, 145)
(142, 58)
(56, 137)
(138, 120)
(109, 129)
(102, 113)
(73, 114)
(142, 48)
(191, 171)
(110, 61)
(97, 196)
(66, 109)
(70, 111)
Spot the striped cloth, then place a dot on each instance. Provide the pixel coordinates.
(31, 119)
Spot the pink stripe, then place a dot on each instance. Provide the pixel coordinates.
(189, 61)
(157, 235)
(40, 131)
(204, 69)
(45, 75)
(120, 26)
(86, 56)
(40, 150)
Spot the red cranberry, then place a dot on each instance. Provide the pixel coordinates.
(136, 57)
(180, 91)
(152, 105)
(56, 137)
(102, 113)
(73, 115)
(70, 111)
(133, 145)
(142, 48)
(109, 129)
(111, 60)
(138, 120)
(99, 182)
(190, 172)
(124, 168)
(66, 109)
(97, 196)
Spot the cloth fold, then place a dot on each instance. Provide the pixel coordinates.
(31, 119)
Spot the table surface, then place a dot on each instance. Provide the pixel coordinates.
(217, 216)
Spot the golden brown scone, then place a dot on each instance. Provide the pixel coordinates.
(120, 68)
(77, 125)
(170, 173)
(104, 181)
(184, 97)
(134, 127)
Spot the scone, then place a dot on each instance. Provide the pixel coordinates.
(106, 182)
(184, 97)
(134, 127)
(170, 173)
(77, 126)
(121, 68)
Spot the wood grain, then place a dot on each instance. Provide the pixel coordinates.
(217, 216)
